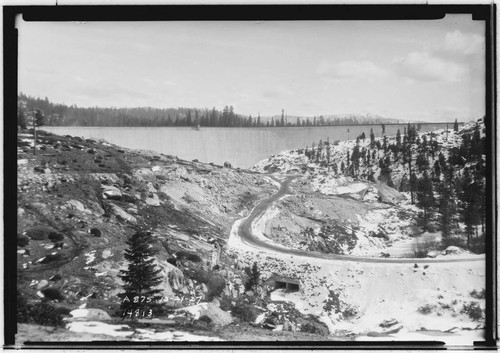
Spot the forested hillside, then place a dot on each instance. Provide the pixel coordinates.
(64, 115)
(72, 115)
(443, 173)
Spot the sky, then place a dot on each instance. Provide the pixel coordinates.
(430, 70)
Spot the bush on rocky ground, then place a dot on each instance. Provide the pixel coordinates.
(473, 310)
(422, 247)
(52, 294)
(478, 245)
(452, 241)
(185, 255)
(39, 313)
(55, 237)
(22, 241)
(312, 326)
(52, 258)
(478, 295)
(215, 285)
(39, 232)
(244, 312)
(426, 309)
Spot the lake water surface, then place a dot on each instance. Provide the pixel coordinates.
(242, 147)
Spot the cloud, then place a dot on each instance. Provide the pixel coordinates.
(459, 42)
(278, 91)
(423, 66)
(353, 70)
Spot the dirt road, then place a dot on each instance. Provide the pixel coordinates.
(245, 233)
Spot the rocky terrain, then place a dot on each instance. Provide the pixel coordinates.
(79, 199)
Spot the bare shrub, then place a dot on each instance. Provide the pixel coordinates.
(421, 247)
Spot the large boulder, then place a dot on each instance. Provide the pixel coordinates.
(76, 205)
(153, 201)
(173, 278)
(40, 232)
(453, 250)
(119, 212)
(216, 314)
(111, 192)
(90, 314)
(387, 194)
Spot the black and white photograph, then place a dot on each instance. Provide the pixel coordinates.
(256, 180)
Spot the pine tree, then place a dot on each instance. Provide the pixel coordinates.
(422, 162)
(455, 126)
(372, 138)
(328, 156)
(38, 120)
(141, 274)
(437, 170)
(21, 117)
(425, 197)
(446, 206)
(469, 195)
(253, 277)
(320, 150)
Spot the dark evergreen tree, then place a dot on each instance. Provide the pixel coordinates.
(38, 120)
(469, 203)
(253, 277)
(425, 197)
(437, 170)
(398, 140)
(142, 274)
(320, 150)
(455, 126)
(372, 138)
(21, 117)
(446, 206)
(328, 156)
(422, 161)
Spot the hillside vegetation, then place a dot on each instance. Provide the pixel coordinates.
(440, 174)
(79, 200)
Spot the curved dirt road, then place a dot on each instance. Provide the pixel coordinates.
(245, 233)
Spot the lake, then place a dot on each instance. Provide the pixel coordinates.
(242, 147)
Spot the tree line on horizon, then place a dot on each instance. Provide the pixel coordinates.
(71, 115)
